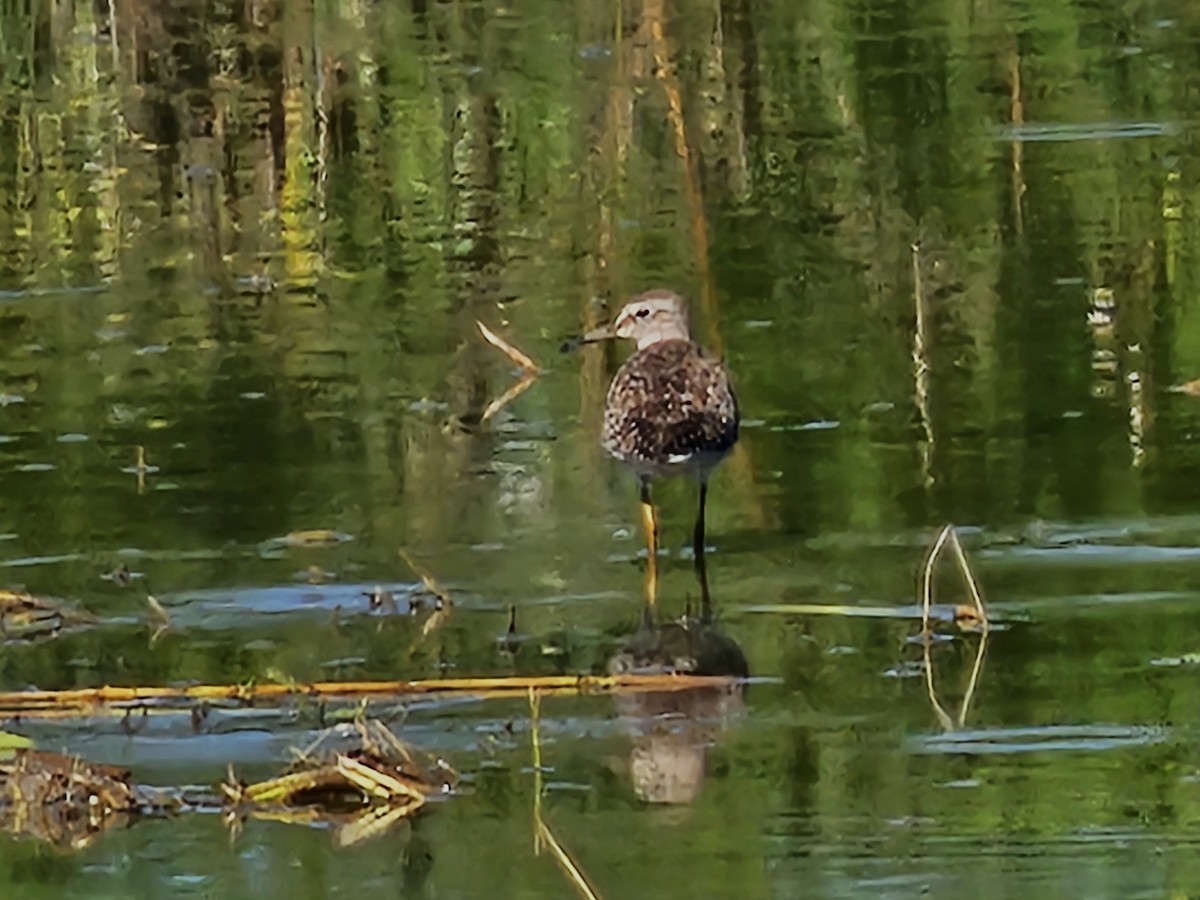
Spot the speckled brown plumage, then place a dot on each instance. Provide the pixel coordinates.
(670, 409)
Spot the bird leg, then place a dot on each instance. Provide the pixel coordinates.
(650, 525)
(698, 555)
(698, 531)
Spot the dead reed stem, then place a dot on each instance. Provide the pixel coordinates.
(119, 700)
(1017, 118)
(920, 356)
(522, 361)
(542, 835)
(535, 737)
(927, 639)
(515, 391)
(159, 619)
(948, 536)
(140, 469)
(842, 609)
(529, 372)
(445, 604)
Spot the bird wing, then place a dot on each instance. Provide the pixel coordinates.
(669, 402)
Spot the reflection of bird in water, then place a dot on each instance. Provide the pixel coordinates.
(670, 410)
(689, 645)
(673, 729)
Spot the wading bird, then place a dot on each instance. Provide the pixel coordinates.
(670, 409)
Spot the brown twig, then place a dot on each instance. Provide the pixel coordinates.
(523, 361)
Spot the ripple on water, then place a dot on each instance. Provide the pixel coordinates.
(221, 608)
(1040, 739)
(1091, 554)
(1060, 132)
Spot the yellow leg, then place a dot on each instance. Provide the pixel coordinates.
(650, 526)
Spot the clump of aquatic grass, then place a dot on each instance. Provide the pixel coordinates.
(973, 616)
(363, 790)
(66, 801)
(25, 616)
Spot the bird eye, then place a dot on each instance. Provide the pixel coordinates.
(642, 313)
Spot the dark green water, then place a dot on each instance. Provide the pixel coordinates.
(254, 238)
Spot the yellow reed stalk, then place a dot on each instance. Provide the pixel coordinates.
(948, 536)
(428, 580)
(542, 835)
(118, 700)
(375, 783)
(522, 361)
(515, 391)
